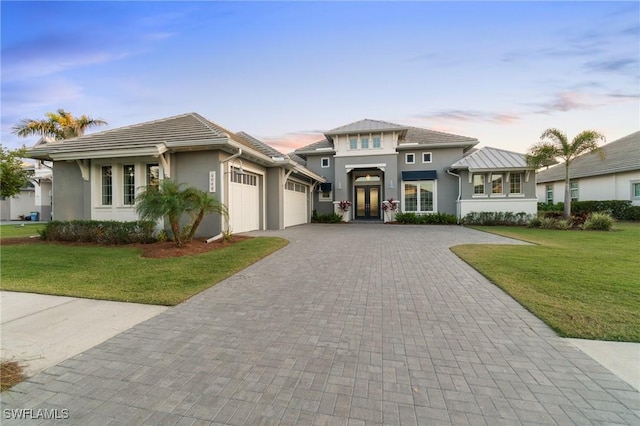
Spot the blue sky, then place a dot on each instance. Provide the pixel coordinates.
(286, 71)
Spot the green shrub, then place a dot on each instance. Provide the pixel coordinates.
(599, 222)
(618, 209)
(426, 219)
(536, 222)
(631, 213)
(102, 232)
(553, 223)
(325, 218)
(497, 218)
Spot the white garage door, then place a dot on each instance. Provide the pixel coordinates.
(295, 204)
(244, 202)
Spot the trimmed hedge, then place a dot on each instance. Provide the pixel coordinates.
(497, 219)
(426, 219)
(325, 218)
(618, 209)
(101, 232)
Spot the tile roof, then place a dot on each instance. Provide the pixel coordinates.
(180, 128)
(488, 158)
(432, 137)
(364, 126)
(621, 155)
(259, 146)
(323, 144)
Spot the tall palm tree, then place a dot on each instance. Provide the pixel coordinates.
(58, 125)
(554, 145)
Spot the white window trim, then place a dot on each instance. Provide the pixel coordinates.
(430, 158)
(406, 158)
(435, 196)
(322, 162)
(633, 183)
(322, 198)
(484, 186)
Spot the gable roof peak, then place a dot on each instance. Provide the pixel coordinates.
(366, 125)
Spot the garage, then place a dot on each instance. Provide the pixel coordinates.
(296, 206)
(244, 202)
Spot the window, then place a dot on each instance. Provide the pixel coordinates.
(364, 143)
(243, 178)
(129, 184)
(478, 184)
(293, 186)
(153, 175)
(324, 162)
(377, 142)
(635, 190)
(515, 183)
(496, 183)
(410, 158)
(353, 143)
(574, 191)
(325, 196)
(107, 186)
(426, 157)
(549, 191)
(419, 196)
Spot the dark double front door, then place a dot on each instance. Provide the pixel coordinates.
(367, 202)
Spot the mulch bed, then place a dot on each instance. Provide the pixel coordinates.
(159, 250)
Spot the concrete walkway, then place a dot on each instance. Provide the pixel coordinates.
(348, 324)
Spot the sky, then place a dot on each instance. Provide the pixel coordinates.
(285, 72)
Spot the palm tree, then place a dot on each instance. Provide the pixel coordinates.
(58, 125)
(203, 204)
(166, 199)
(172, 200)
(557, 146)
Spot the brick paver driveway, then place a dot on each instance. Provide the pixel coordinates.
(348, 324)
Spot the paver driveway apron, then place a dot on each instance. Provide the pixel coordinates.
(348, 324)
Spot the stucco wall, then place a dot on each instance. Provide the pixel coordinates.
(615, 186)
(71, 194)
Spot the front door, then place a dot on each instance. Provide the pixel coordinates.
(367, 202)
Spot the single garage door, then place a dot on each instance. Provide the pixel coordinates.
(295, 204)
(244, 202)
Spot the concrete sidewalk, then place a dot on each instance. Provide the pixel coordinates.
(42, 331)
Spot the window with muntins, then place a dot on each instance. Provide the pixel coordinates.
(153, 175)
(515, 183)
(129, 184)
(106, 186)
(635, 190)
(549, 190)
(353, 143)
(410, 158)
(496, 184)
(324, 162)
(364, 143)
(426, 157)
(574, 191)
(419, 196)
(377, 142)
(478, 184)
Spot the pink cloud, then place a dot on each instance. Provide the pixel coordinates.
(291, 141)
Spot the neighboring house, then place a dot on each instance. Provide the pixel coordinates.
(97, 176)
(495, 180)
(370, 161)
(22, 204)
(616, 177)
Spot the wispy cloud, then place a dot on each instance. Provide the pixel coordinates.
(472, 115)
(291, 141)
(613, 65)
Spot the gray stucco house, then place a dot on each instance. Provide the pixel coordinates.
(371, 162)
(97, 176)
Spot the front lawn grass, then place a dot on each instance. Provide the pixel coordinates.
(121, 274)
(583, 284)
(12, 230)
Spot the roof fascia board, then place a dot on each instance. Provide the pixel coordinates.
(407, 147)
(117, 153)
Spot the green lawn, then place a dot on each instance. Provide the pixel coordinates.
(10, 230)
(583, 284)
(121, 274)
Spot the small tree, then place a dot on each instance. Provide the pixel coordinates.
(13, 175)
(173, 200)
(554, 145)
